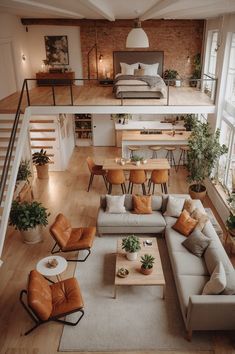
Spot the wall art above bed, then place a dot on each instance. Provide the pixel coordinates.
(57, 50)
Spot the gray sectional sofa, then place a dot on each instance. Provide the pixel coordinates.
(200, 312)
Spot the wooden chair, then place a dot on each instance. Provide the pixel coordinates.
(159, 177)
(137, 177)
(50, 302)
(95, 170)
(116, 177)
(68, 239)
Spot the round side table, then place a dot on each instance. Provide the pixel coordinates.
(43, 268)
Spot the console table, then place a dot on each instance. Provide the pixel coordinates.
(46, 78)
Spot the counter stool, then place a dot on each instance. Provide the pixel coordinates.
(159, 177)
(154, 150)
(170, 155)
(137, 177)
(133, 149)
(116, 177)
(183, 155)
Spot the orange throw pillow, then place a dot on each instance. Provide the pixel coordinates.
(185, 224)
(142, 204)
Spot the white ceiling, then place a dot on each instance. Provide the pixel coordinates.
(118, 9)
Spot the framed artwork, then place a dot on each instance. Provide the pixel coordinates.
(57, 50)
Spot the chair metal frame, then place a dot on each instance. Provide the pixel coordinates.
(70, 260)
(39, 322)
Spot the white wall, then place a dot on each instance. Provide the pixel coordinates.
(35, 37)
(12, 30)
(67, 139)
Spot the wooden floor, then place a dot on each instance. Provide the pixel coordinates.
(63, 192)
(98, 96)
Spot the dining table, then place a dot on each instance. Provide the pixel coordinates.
(148, 165)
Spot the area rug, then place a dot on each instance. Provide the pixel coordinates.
(138, 319)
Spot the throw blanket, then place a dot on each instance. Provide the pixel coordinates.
(151, 81)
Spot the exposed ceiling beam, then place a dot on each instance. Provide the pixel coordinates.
(159, 6)
(100, 8)
(49, 7)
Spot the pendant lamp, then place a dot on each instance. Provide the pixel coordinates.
(137, 38)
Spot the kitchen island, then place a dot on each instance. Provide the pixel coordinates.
(144, 140)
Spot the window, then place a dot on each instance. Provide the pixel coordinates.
(210, 65)
(230, 86)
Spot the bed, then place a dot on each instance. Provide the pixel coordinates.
(136, 74)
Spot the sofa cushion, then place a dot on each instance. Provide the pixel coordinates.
(174, 240)
(217, 281)
(189, 205)
(142, 204)
(170, 220)
(216, 253)
(230, 284)
(185, 224)
(129, 219)
(196, 243)
(156, 202)
(201, 217)
(115, 204)
(174, 206)
(187, 286)
(185, 263)
(165, 199)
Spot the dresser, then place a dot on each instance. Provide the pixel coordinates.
(46, 78)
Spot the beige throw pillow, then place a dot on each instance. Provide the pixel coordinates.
(201, 217)
(174, 206)
(115, 204)
(189, 205)
(217, 282)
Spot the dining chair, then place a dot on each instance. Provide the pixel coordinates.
(116, 177)
(95, 170)
(159, 177)
(137, 177)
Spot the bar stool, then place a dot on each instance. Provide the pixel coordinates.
(116, 177)
(159, 177)
(183, 155)
(170, 155)
(154, 150)
(137, 177)
(133, 149)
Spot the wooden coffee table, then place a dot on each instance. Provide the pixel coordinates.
(135, 277)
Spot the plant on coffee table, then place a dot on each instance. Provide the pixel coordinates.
(147, 262)
(131, 244)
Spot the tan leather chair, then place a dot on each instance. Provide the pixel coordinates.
(95, 170)
(50, 302)
(137, 177)
(71, 239)
(116, 177)
(159, 177)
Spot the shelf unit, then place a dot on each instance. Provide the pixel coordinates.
(83, 129)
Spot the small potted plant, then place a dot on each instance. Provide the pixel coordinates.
(28, 218)
(137, 160)
(41, 160)
(131, 244)
(24, 171)
(147, 262)
(170, 75)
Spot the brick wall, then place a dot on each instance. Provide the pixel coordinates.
(179, 39)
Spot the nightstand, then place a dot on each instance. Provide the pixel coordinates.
(106, 82)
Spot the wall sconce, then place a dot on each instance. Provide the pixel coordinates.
(23, 57)
(188, 59)
(101, 58)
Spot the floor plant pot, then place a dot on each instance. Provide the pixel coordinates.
(131, 256)
(197, 195)
(32, 236)
(42, 171)
(146, 271)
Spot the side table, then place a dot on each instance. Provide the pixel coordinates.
(43, 268)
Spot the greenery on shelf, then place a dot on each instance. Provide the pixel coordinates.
(203, 155)
(122, 116)
(230, 222)
(25, 216)
(24, 171)
(190, 121)
(197, 68)
(131, 244)
(147, 261)
(40, 158)
(170, 74)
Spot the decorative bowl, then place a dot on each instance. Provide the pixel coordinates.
(52, 263)
(122, 272)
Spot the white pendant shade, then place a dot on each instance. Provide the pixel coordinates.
(137, 38)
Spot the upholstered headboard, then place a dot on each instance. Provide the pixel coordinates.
(131, 57)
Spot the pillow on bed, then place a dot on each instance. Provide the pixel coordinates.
(139, 72)
(128, 69)
(150, 69)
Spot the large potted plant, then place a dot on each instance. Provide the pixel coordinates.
(131, 244)
(171, 75)
(190, 121)
(147, 262)
(28, 218)
(41, 160)
(204, 152)
(197, 67)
